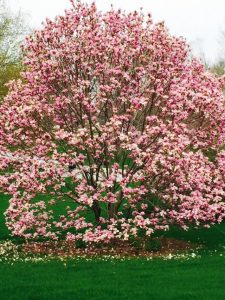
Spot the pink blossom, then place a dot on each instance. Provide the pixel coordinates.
(112, 131)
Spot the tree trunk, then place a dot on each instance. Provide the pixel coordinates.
(97, 211)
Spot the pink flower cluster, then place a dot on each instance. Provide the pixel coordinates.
(112, 132)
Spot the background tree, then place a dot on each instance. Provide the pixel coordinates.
(218, 68)
(12, 32)
(108, 134)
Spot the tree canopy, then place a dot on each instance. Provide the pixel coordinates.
(109, 133)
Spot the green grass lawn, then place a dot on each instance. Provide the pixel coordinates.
(158, 279)
(197, 278)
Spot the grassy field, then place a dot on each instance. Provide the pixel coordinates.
(193, 278)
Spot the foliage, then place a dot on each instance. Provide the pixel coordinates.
(12, 31)
(107, 135)
(219, 68)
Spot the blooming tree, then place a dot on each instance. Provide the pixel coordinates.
(110, 133)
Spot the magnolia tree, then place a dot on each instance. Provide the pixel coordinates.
(113, 131)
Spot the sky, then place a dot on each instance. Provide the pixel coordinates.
(199, 21)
